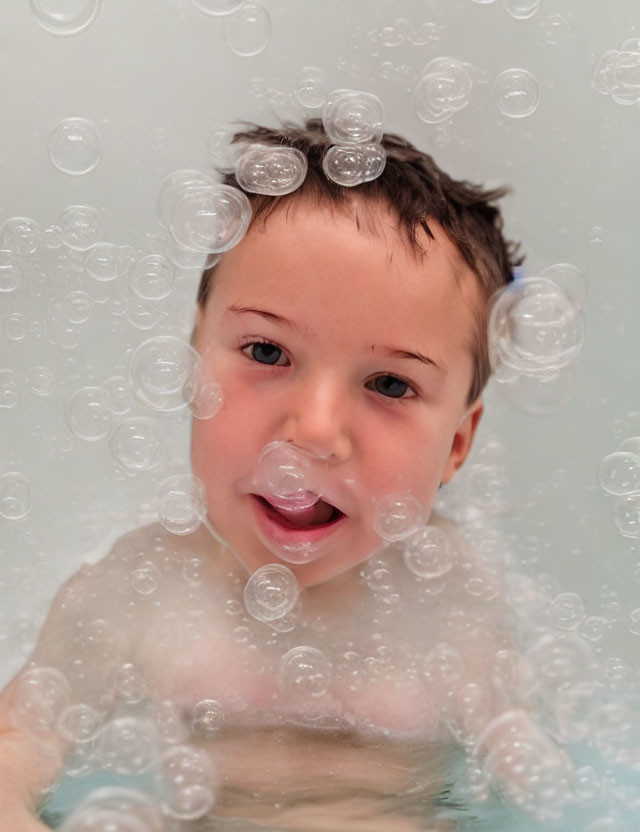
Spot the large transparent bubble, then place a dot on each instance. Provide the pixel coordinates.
(397, 516)
(210, 218)
(65, 17)
(304, 671)
(137, 444)
(444, 87)
(162, 373)
(353, 117)
(617, 74)
(352, 165)
(15, 496)
(187, 782)
(271, 592)
(182, 503)
(271, 170)
(74, 146)
(248, 29)
(516, 92)
(309, 88)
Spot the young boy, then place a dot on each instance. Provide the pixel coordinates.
(350, 326)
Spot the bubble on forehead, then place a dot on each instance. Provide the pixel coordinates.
(271, 592)
(210, 218)
(64, 17)
(444, 88)
(74, 146)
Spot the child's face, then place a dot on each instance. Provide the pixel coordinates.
(387, 423)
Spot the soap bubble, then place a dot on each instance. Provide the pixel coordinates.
(20, 235)
(570, 279)
(516, 92)
(309, 88)
(15, 496)
(119, 395)
(137, 443)
(285, 473)
(162, 373)
(271, 170)
(304, 671)
(534, 327)
(217, 8)
(352, 117)
(397, 516)
(129, 684)
(74, 146)
(15, 324)
(182, 503)
(144, 579)
(631, 445)
(79, 723)
(633, 622)
(88, 414)
(248, 30)
(626, 515)
(207, 718)
(567, 611)
(350, 165)
(427, 553)
(540, 394)
(175, 186)
(102, 261)
(207, 399)
(38, 697)
(271, 592)
(65, 17)
(10, 271)
(80, 227)
(9, 395)
(41, 380)
(522, 9)
(187, 782)
(443, 666)
(211, 218)
(619, 473)
(444, 88)
(128, 745)
(76, 307)
(618, 74)
(223, 150)
(152, 277)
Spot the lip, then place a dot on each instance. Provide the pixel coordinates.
(285, 537)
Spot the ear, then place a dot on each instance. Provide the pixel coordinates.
(462, 439)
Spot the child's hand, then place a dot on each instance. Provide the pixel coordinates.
(530, 770)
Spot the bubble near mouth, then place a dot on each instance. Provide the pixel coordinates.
(319, 514)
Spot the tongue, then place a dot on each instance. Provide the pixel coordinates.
(319, 513)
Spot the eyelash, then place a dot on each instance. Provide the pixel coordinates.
(258, 340)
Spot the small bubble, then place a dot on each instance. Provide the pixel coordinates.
(304, 671)
(80, 227)
(567, 611)
(596, 234)
(444, 88)
(619, 473)
(187, 782)
(128, 745)
(309, 88)
(79, 723)
(182, 503)
(10, 271)
(144, 579)
(129, 684)
(353, 117)
(152, 277)
(76, 307)
(102, 261)
(516, 92)
(626, 515)
(271, 592)
(522, 9)
(74, 146)
(427, 553)
(162, 373)
(207, 718)
(15, 325)
(20, 235)
(248, 30)
(88, 414)
(137, 443)
(41, 380)
(15, 496)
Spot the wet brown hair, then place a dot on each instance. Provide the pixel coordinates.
(416, 190)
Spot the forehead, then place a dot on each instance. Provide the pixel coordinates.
(349, 262)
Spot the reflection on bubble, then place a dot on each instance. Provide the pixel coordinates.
(15, 496)
(174, 187)
(128, 745)
(182, 503)
(137, 443)
(79, 723)
(217, 8)
(210, 218)
(15, 325)
(9, 395)
(397, 516)
(309, 88)
(304, 671)
(271, 170)
(187, 782)
(286, 474)
(10, 271)
(444, 88)
(207, 718)
(65, 17)
(522, 9)
(114, 809)
(619, 473)
(88, 414)
(80, 227)
(248, 29)
(41, 380)
(427, 553)
(626, 515)
(102, 261)
(74, 146)
(352, 165)
(76, 307)
(271, 592)
(353, 117)
(570, 279)
(162, 373)
(516, 93)
(152, 277)
(617, 74)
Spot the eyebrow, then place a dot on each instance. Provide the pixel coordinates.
(291, 325)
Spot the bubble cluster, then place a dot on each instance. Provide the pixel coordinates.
(271, 592)
(397, 516)
(304, 671)
(114, 809)
(74, 146)
(162, 373)
(271, 170)
(353, 120)
(247, 29)
(427, 553)
(516, 92)
(182, 503)
(617, 73)
(61, 17)
(619, 477)
(444, 88)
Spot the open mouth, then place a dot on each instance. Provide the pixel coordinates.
(318, 516)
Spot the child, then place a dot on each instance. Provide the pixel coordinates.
(348, 327)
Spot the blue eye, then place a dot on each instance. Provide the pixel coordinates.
(264, 352)
(393, 387)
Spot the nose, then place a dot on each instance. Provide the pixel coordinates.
(317, 419)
